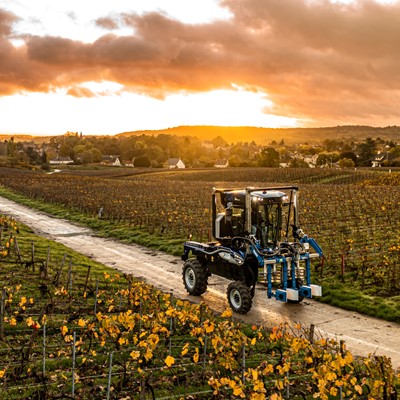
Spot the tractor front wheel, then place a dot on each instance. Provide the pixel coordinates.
(239, 297)
(195, 277)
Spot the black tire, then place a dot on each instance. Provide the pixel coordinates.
(195, 277)
(239, 297)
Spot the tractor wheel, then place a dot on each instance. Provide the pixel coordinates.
(195, 277)
(239, 297)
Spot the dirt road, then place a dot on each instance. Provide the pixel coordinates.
(363, 335)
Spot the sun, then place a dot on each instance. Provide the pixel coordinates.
(227, 107)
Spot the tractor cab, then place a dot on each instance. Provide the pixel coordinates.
(266, 214)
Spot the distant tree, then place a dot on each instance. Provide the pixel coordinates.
(11, 147)
(298, 163)
(219, 142)
(86, 153)
(309, 150)
(346, 163)
(3, 148)
(155, 154)
(269, 157)
(140, 148)
(110, 146)
(349, 155)
(206, 161)
(142, 161)
(327, 159)
(44, 157)
(332, 145)
(33, 155)
(235, 161)
(395, 151)
(366, 151)
(66, 150)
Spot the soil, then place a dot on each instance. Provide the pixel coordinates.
(363, 335)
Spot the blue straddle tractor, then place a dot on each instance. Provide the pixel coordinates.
(256, 241)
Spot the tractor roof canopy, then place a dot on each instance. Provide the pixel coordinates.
(237, 197)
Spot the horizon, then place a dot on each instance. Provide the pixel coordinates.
(258, 133)
(159, 65)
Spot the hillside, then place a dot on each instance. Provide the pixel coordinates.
(262, 136)
(265, 135)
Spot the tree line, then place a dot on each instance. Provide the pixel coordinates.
(154, 150)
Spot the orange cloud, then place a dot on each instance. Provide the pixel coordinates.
(325, 62)
(78, 91)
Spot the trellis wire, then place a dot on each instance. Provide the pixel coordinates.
(109, 376)
(95, 297)
(44, 350)
(73, 364)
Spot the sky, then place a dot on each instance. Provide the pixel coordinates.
(111, 66)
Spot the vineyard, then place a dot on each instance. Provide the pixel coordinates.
(72, 329)
(352, 214)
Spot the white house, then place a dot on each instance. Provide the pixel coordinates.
(380, 159)
(175, 163)
(311, 160)
(61, 160)
(111, 160)
(221, 163)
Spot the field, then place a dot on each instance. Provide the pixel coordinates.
(73, 329)
(352, 214)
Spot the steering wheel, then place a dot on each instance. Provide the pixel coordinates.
(238, 243)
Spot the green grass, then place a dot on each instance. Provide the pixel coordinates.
(58, 254)
(102, 228)
(348, 297)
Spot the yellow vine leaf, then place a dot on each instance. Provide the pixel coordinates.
(333, 391)
(254, 373)
(237, 391)
(378, 383)
(196, 356)
(169, 361)
(185, 349)
(275, 396)
(227, 313)
(358, 389)
(135, 354)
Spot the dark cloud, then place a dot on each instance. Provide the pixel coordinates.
(7, 19)
(328, 62)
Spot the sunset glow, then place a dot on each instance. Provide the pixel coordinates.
(154, 65)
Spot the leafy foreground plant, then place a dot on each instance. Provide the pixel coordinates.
(73, 331)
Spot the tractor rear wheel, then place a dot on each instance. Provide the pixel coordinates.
(195, 277)
(239, 297)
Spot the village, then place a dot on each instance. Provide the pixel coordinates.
(179, 152)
